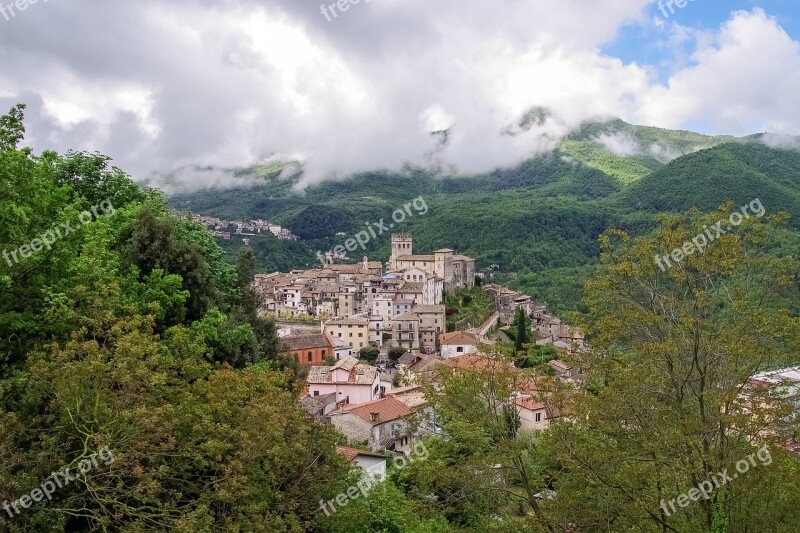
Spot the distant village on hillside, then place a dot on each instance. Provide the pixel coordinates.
(397, 308)
(227, 229)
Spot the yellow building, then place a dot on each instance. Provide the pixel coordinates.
(353, 331)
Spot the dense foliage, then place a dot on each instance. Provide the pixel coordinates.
(132, 332)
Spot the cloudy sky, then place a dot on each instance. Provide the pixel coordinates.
(159, 85)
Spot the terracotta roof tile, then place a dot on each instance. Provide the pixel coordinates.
(307, 342)
(459, 338)
(388, 409)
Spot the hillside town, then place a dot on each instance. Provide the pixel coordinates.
(399, 308)
(379, 339)
(228, 229)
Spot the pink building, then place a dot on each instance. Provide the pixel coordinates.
(534, 414)
(352, 382)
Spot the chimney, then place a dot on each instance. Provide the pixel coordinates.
(375, 417)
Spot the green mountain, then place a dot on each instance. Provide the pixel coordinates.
(628, 152)
(535, 225)
(738, 172)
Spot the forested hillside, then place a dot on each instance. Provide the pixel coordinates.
(537, 224)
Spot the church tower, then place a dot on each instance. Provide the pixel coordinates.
(402, 244)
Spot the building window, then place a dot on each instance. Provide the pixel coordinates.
(460, 349)
(324, 353)
(316, 393)
(360, 335)
(351, 334)
(538, 417)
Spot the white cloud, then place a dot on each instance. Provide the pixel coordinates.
(193, 83)
(744, 80)
(620, 143)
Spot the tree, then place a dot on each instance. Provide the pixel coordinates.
(387, 509)
(156, 243)
(196, 448)
(486, 471)
(124, 335)
(245, 274)
(522, 327)
(540, 355)
(396, 353)
(369, 354)
(12, 128)
(673, 353)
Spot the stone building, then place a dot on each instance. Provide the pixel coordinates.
(455, 271)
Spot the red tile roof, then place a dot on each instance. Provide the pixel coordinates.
(388, 409)
(307, 342)
(459, 338)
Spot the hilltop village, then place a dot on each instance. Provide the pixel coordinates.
(366, 311)
(245, 229)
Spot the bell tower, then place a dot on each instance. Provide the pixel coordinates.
(402, 244)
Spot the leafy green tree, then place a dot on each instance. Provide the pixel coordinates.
(196, 448)
(486, 467)
(369, 354)
(386, 509)
(108, 337)
(396, 353)
(540, 355)
(673, 353)
(12, 128)
(155, 243)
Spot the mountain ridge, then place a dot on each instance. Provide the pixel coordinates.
(536, 223)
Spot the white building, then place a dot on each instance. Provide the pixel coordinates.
(458, 343)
